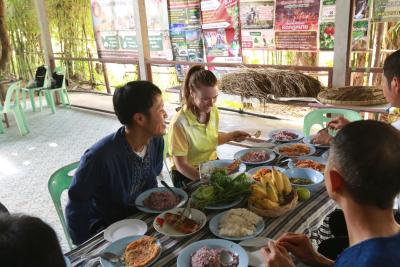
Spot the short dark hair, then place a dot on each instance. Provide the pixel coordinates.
(3, 209)
(367, 153)
(391, 67)
(28, 241)
(134, 97)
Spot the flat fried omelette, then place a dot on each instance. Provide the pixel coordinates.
(141, 252)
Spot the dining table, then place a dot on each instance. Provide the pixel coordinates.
(307, 217)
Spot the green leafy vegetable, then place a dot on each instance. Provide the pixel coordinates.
(222, 188)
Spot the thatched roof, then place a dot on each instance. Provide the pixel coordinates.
(261, 82)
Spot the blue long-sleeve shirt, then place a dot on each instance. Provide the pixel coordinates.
(378, 251)
(109, 178)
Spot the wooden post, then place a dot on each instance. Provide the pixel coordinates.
(342, 50)
(45, 38)
(106, 81)
(142, 39)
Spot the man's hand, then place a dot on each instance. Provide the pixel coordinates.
(276, 256)
(338, 123)
(322, 138)
(239, 136)
(300, 246)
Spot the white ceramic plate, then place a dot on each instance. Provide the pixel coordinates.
(296, 139)
(208, 167)
(140, 199)
(308, 140)
(214, 228)
(118, 247)
(125, 228)
(168, 230)
(311, 147)
(271, 155)
(325, 155)
(184, 258)
(292, 163)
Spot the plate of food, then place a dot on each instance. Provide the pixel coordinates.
(208, 253)
(325, 155)
(230, 166)
(125, 228)
(262, 171)
(174, 224)
(295, 150)
(285, 135)
(255, 156)
(236, 224)
(316, 163)
(221, 191)
(160, 199)
(322, 139)
(137, 251)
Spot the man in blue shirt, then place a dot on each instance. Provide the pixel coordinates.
(362, 176)
(115, 170)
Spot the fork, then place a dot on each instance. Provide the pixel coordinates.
(187, 209)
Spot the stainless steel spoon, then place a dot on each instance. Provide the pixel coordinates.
(170, 189)
(111, 257)
(225, 258)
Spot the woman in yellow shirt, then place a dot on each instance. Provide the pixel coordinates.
(193, 135)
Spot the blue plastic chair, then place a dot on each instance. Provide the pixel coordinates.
(324, 115)
(14, 107)
(59, 181)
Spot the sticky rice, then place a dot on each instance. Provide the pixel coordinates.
(238, 223)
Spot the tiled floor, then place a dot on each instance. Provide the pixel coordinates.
(26, 163)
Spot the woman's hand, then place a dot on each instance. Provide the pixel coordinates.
(300, 246)
(338, 123)
(239, 136)
(276, 255)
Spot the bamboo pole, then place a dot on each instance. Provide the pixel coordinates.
(376, 56)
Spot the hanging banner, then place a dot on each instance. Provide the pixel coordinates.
(328, 10)
(158, 29)
(360, 35)
(257, 14)
(258, 38)
(296, 15)
(326, 35)
(361, 10)
(386, 10)
(217, 14)
(220, 23)
(114, 28)
(185, 32)
(359, 40)
(298, 41)
(184, 19)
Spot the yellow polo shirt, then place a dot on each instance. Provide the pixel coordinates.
(197, 141)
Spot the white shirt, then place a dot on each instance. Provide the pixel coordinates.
(141, 153)
(396, 124)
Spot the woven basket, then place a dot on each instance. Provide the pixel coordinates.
(359, 96)
(278, 211)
